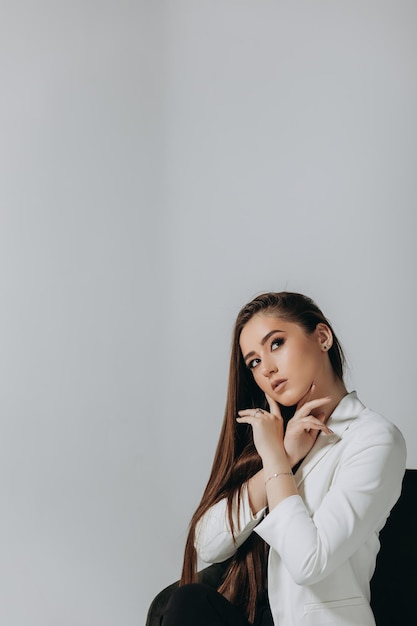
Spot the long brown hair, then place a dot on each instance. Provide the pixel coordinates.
(236, 459)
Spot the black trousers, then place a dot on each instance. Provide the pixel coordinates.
(201, 605)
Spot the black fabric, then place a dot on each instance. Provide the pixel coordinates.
(202, 605)
(211, 576)
(394, 584)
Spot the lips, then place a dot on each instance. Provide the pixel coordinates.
(277, 385)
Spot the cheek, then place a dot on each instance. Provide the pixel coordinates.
(311, 365)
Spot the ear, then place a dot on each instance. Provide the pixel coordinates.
(324, 336)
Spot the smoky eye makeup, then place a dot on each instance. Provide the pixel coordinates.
(252, 363)
(277, 342)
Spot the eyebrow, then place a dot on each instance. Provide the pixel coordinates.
(263, 342)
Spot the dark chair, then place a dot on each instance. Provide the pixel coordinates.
(394, 584)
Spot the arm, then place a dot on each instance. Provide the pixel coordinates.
(367, 485)
(268, 436)
(257, 492)
(214, 539)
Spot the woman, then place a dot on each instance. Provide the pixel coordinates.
(303, 471)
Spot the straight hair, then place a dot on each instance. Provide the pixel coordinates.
(236, 459)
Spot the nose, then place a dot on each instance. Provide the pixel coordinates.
(269, 366)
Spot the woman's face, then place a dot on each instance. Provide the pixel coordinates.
(283, 358)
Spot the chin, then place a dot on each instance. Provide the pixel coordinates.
(290, 398)
(286, 399)
(287, 403)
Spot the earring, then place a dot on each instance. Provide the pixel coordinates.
(325, 347)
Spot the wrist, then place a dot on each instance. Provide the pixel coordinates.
(294, 456)
(277, 462)
(278, 475)
(293, 460)
(276, 467)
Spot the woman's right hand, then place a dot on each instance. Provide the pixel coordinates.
(303, 428)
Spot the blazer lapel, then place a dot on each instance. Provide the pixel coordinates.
(346, 411)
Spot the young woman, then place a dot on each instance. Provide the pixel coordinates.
(303, 480)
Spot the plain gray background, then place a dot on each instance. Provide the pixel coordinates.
(162, 163)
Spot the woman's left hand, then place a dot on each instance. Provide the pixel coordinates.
(268, 430)
(304, 427)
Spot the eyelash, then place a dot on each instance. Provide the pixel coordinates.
(278, 340)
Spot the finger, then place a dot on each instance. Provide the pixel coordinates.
(310, 422)
(252, 412)
(246, 419)
(273, 406)
(306, 408)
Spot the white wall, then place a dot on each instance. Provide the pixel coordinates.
(161, 163)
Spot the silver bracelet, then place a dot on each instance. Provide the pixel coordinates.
(279, 474)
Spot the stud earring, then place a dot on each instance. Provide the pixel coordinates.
(325, 347)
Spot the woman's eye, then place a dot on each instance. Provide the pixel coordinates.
(253, 363)
(276, 343)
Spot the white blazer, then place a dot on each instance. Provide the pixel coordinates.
(324, 541)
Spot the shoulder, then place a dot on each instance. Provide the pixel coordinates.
(372, 422)
(368, 429)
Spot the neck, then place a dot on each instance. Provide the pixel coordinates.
(335, 390)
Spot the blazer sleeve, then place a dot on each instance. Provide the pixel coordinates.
(366, 486)
(214, 539)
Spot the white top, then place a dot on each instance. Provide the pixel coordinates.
(323, 541)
